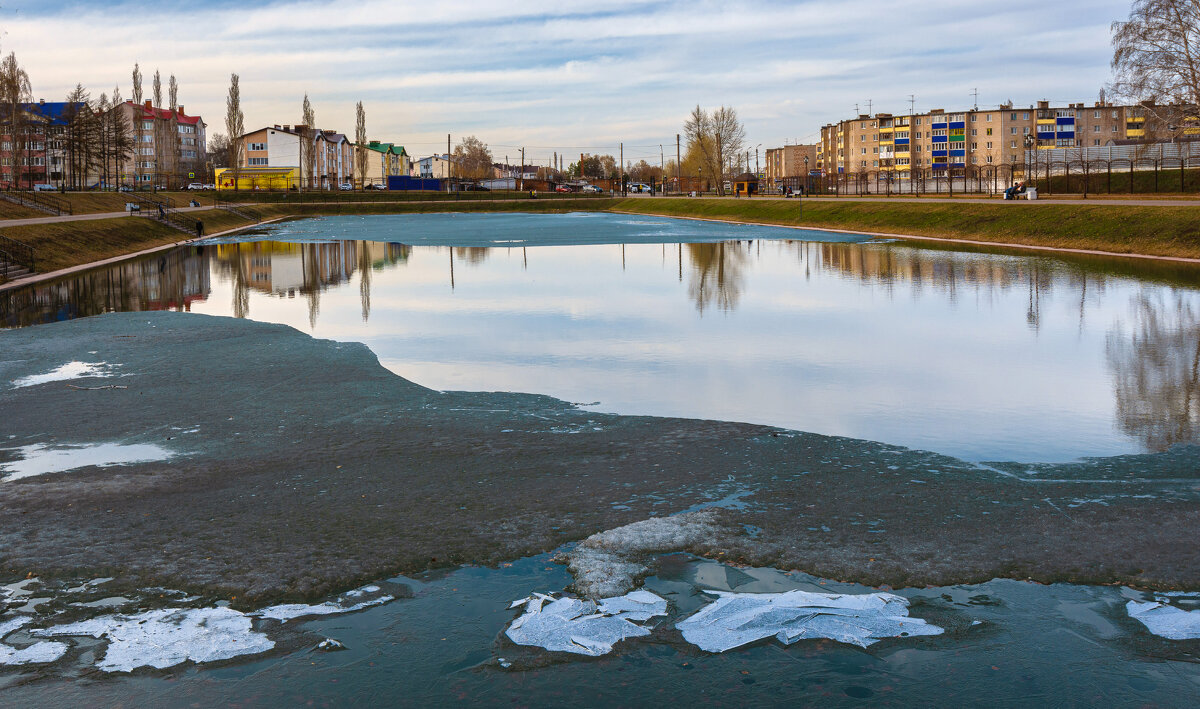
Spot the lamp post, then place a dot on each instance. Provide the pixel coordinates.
(806, 183)
(1029, 145)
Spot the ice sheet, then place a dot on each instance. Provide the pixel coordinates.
(1166, 620)
(168, 637)
(39, 652)
(288, 611)
(583, 627)
(68, 371)
(39, 459)
(736, 619)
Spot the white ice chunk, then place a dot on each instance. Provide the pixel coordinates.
(288, 611)
(13, 623)
(736, 619)
(45, 651)
(68, 371)
(1166, 620)
(38, 459)
(578, 626)
(167, 637)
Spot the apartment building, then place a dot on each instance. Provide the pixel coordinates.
(35, 153)
(385, 160)
(940, 140)
(789, 161)
(438, 166)
(169, 146)
(286, 146)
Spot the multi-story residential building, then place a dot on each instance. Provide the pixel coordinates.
(385, 160)
(938, 140)
(285, 146)
(438, 166)
(789, 161)
(169, 147)
(37, 153)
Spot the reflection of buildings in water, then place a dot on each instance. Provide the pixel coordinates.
(473, 255)
(168, 280)
(1156, 372)
(717, 273)
(285, 269)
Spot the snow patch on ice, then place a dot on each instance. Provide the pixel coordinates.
(67, 372)
(609, 563)
(167, 637)
(40, 459)
(1166, 620)
(13, 623)
(583, 627)
(736, 619)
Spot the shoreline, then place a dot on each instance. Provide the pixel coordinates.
(906, 237)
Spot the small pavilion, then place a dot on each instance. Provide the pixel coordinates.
(745, 184)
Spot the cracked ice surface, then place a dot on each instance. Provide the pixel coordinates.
(736, 619)
(1166, 620)
(288, 611)
(68, 371)
(168, 637)
(36, 653)
(583, 627)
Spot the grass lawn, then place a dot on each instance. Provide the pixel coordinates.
(1159, 231)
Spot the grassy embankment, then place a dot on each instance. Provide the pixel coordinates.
(1158, 230)
(63, 244)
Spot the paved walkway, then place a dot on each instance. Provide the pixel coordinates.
(89, 217)
(1095, 201)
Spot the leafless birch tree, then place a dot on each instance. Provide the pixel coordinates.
(716, 137)
(235, 126)
(360, 151)
(308, 146)
(1156, 60)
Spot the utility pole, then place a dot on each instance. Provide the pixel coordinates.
(975, 94)
(870, 106)
(912, 102)
(521, 171)
(621, 170)
(449, 173)
(678, 186)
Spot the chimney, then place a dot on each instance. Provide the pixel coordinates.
(179, 109)
(42, 101)
(149, 104)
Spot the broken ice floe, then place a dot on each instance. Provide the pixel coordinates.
(40, 459)
(736, 619)
(167, 637)
(39, 652)
(583, 627)
(68, 371)
(289, 611)
(1166, 620)
(609, 563)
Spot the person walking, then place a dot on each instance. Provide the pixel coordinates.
(161, 213)
(199, 228)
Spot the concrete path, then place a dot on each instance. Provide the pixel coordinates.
(88, 217)
(1095, 201)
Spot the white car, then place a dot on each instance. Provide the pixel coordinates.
(195, 186)
(345, 186)
(44, 187)
(591, 189)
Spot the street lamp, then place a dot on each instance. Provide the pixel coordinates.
(1029, 145)
(806, 185)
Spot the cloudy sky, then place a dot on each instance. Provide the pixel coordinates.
(564, 75)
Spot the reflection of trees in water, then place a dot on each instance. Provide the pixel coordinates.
(717, 274)
(168, 280)
(285, 269)
(1156, 371)
(473, 255)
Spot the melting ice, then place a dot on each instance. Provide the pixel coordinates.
(736, 619)
(583, 627)
(39, 459)
(68, 371)
(39, 652)
(1166, 620)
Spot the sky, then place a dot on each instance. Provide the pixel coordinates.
(569, 76)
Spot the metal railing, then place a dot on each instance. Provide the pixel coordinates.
(15, 255)
(38, 200)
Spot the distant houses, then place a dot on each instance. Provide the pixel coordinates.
(300, 157)
(385, 160)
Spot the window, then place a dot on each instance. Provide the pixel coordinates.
(918, 122)
(147, 125)
(1114, 129)
(864, 151)
(863, 125)
(147, 151)
(258, 161)
(974, 118)
(940, 131)
(1114, 114)
(989, 120)
(989, 131)
(1095, 129)
(1013, 144)
(1095, 141)
(147, 138)
(989, 158)
(1013, 130)
(989, 145)
(6, 145)
(1013, 117)
(257, 146)
(875, 150)
(1025, 116)
(1095, 114)
(876, 164)
(974, 131)
(1026, 130)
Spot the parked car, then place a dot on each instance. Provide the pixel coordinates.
(210, 186)
(345, 187)
(563, 188)
(591, 189)
(44, 187)
(377, 187)
(195, 185)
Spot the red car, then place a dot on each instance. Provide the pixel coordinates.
(562, 188)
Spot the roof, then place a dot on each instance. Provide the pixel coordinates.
(746, 177)
(164, 114)
(386, 148)
(55, 112)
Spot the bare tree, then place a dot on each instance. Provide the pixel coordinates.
(156, 87)
(173, 145)
(473, 158)
(308, 152)
(122, 140)
(235, 126)
(218, 150)
(77, 157)
(1156, 60)
(360, 154)
(137, 104)
(15, 93)
(717, 138)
